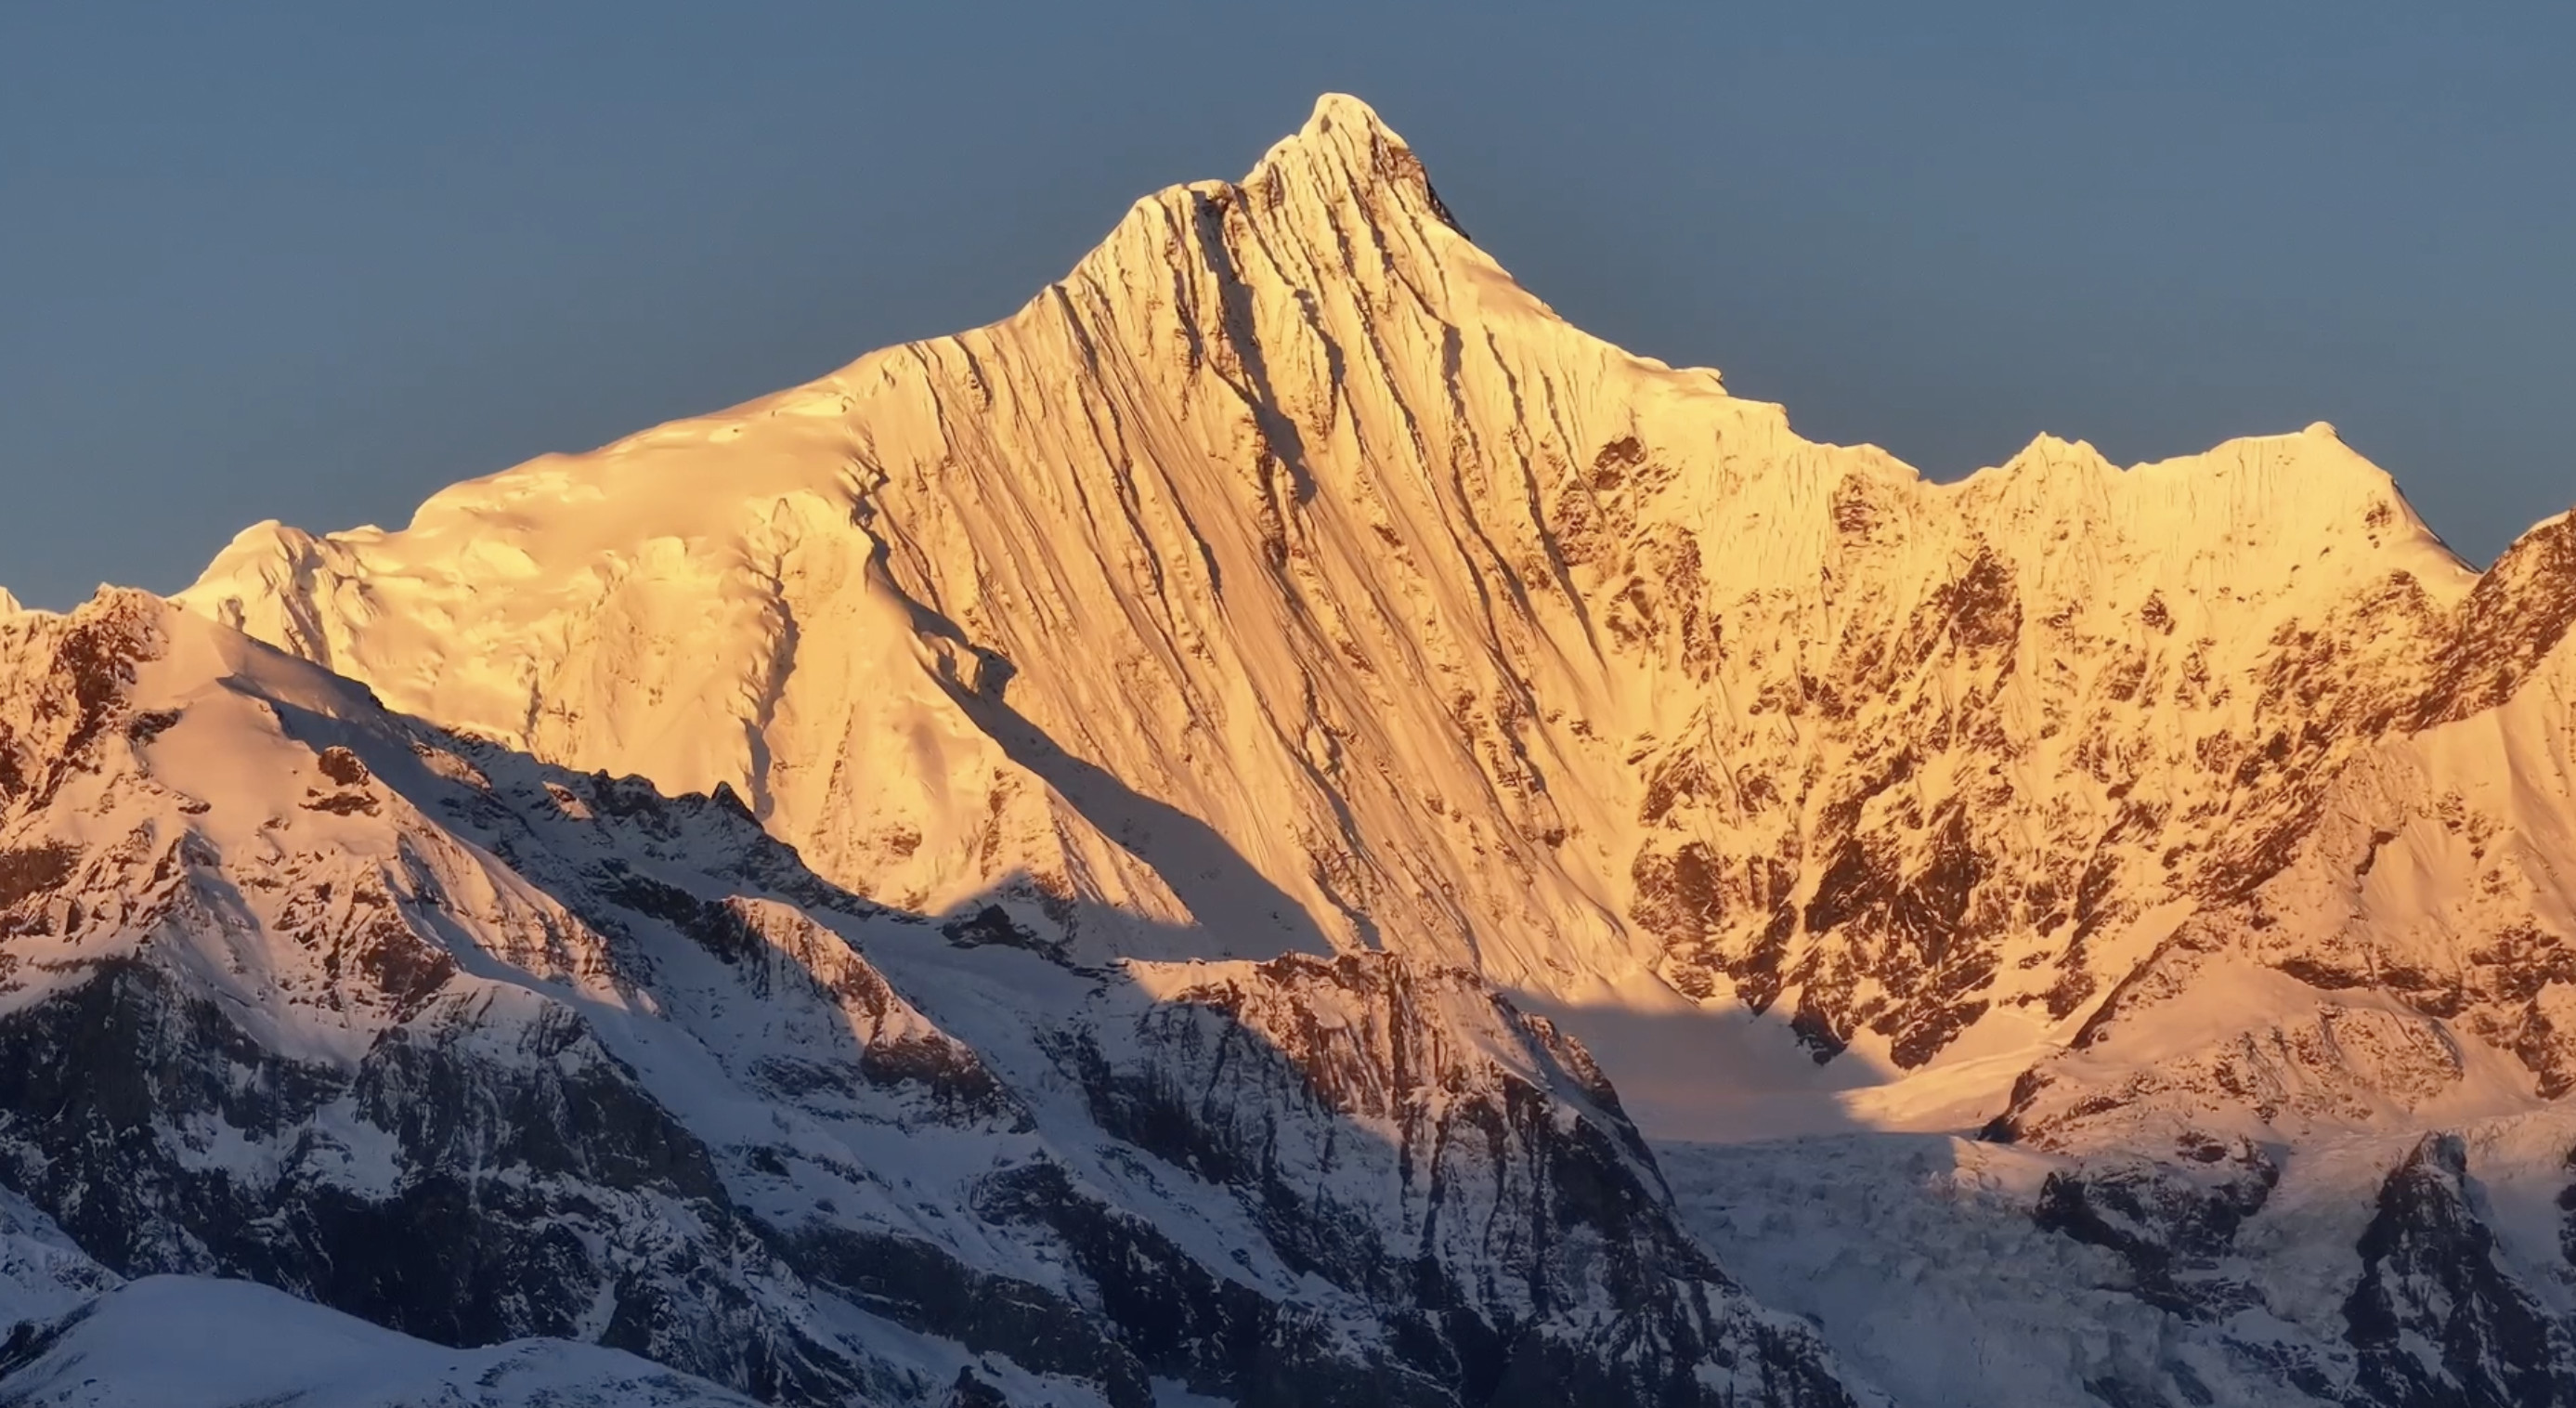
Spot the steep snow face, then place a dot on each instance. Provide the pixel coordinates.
(480, 1049)
(1288, 566)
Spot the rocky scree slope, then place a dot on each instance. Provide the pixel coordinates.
(415, 1027)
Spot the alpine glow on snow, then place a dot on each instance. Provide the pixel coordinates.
(1283, 826)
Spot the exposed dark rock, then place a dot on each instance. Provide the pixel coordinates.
(916, 1284)
(2171, 1222)
(509, 1176)
(1238, 1085)
(972, 1392)
(33, 870)
(343, 767)
(993, 924)
(2519, 610)
(2436, 1321)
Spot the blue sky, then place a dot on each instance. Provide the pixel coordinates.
(315, 261)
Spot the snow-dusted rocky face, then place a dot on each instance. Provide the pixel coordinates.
(478, 1049)
(1199, 698)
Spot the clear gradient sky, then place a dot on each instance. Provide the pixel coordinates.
(313, 261)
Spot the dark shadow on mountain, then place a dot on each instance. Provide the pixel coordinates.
(1714, 1076)
(1241, 913)
(1797, 1221)
(1255, 918)
(1279, 431)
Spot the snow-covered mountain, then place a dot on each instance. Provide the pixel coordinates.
(2083, 933)
(480, 1049)
(1290, 518)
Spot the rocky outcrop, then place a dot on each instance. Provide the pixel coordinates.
(2174, 1222)
(2435, 1320)
(1388, 1129)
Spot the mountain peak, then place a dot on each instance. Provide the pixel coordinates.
(1343, 109)
(1339, 121)
(1346, 144)
(2047, 452)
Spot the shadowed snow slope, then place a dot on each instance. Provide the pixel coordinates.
(190, 1342)
(1287, 582)
(80, 1336)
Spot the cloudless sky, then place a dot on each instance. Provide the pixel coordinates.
(314, 261)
